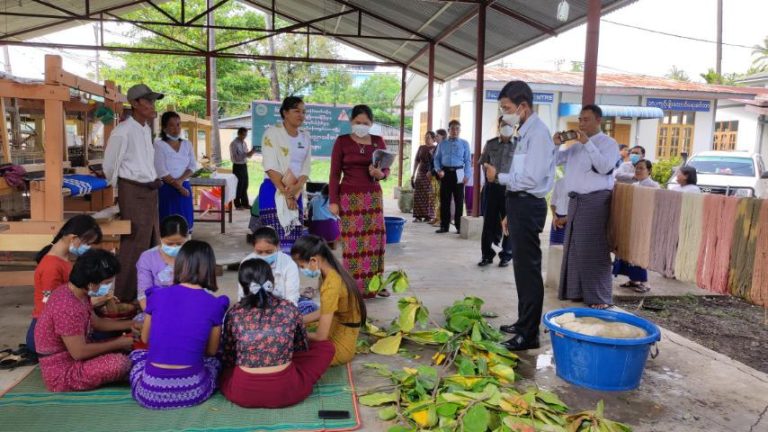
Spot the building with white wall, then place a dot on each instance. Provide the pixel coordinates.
(665, 116)
(742, 125)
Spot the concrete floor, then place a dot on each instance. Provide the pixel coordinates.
(687, 388)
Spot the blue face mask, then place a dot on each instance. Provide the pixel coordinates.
(310, 273)
(103, 290)
(171, 251)
(77, 251)
(634, 158)
(270, 259)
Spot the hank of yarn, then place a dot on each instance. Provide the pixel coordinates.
(643, 204)
(759, 291)
(743, 247)
(665, 232)
(689, 234)
(716, 241)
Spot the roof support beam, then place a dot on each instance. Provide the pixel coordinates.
(479, 99)
(590, 54)
(523, 19)
(58, 8)
(162, 11)
(288, 29)
(190, 53)
(207, 11)
(163, 35)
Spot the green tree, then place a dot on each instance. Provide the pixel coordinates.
(238, 81)
(712, 77)
(677, 74)
(760, 52)
(577, 66)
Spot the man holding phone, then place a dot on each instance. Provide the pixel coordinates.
(586, 270)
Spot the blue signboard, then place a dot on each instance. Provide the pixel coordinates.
(540, 98)
(679, 104)
(324, 123)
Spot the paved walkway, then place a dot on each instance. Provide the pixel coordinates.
(687, 388)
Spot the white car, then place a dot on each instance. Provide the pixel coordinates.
(732, 173)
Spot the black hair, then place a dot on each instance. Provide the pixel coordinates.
(517, 92)
(442, 132)
(259, 272)
(242, 130)
(453, 122)
(93, 267)
(289, 103)
(84, 227)
(173, 225)
(622, 147)
(196, 264)
(362, 109)
(596, 110)
(164, 120)
(647, 164)
(691, 177)
(431, 135)
(265, 232)
(642, 149)
(326, 191)
(310, 246)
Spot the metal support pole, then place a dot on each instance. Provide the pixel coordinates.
(590, 56)
(479, 99)
(212, 103)
(430, 88)
(402, 128)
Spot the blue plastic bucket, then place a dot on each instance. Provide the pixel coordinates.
(601, 363)
(394, 226)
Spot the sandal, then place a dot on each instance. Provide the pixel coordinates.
(630, 284)
(642, 288)
(600, 306)
(384, 293)
(5, 353)
(14, 360)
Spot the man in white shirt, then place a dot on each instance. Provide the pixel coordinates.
(586, 270)
(129, 164)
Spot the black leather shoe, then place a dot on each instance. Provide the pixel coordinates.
(518, 343)
(504, 262)
(484, 262)
(510, 328)
(441, 231)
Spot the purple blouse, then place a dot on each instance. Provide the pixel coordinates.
(152, 271)
(182, 319)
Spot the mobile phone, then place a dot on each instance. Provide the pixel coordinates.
(331, 414)
(568, 135)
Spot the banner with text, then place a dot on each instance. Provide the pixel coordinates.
(679, 104)
(324, 123)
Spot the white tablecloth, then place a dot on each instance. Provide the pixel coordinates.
(218, 179)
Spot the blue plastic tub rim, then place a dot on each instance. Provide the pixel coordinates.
(654, 334)
(394, 219)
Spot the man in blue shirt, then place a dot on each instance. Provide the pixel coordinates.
(453, 163)
(531, 177)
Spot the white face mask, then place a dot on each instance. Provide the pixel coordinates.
(360, 130)
(507, 131)
(512, 119)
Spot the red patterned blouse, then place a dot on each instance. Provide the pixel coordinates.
(349, 166)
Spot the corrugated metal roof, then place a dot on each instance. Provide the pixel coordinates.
(607, 81)
(420, 21)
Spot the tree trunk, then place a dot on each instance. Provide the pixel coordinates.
(274, 81)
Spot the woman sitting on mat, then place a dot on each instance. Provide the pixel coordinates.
(53, 266)
(638, 276)
(342, 310)
(155, 266)
(68, 362)
(268, 361)
(266, 246)
(182, 325)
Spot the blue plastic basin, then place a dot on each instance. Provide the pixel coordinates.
(601, 363)
(394, 227)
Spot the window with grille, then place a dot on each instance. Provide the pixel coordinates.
(455, 113)
(675, 134)
(423, 123)
(726, 133)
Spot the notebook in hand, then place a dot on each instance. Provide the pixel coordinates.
(383, 159)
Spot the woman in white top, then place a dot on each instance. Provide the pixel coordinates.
(638, 276)
(175, 163)
(287, 154)
(686, 180)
